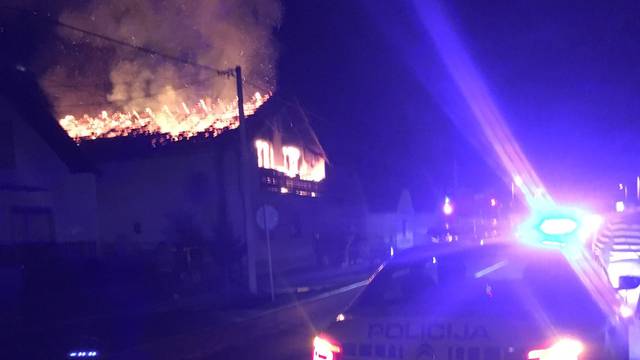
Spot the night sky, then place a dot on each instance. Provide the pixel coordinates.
(565, 75)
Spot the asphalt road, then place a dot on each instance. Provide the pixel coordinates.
(283, 333)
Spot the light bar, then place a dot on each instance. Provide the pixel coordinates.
(561, 227)
(558, 226)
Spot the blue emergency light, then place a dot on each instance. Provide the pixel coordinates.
(558, 227)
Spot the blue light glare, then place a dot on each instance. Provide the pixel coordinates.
(626, 311)
(558, 226)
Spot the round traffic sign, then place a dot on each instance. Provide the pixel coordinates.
(267, 217)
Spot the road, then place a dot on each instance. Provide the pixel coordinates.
(283, 333)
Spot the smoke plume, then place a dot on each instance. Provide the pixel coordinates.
(95, 74)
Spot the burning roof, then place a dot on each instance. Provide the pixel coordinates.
(206, 117)
(281, 138)
(140, 67)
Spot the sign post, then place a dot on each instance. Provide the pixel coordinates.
(267, 218)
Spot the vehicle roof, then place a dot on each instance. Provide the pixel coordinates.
(590, 275)
(461, 250)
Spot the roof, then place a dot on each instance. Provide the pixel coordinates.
(290, 121)
(288, 118)
(20, 88)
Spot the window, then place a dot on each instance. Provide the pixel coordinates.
(291, 160)
(265, 154)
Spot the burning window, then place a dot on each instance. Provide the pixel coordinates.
(314, 171)
(265, 154)
(290, 161)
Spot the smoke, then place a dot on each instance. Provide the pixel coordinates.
(93, 73)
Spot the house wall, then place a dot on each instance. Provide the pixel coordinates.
(199, 189)
(38, 180)
(333, 215)
(168, 198)
(291, 239)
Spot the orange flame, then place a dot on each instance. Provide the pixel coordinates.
(208, 117)
(291, 161)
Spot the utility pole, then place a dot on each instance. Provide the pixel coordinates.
(246, 188)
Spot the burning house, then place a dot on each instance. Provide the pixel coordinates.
(189, 192)
(149, 99)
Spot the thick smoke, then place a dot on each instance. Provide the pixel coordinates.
(217, 33)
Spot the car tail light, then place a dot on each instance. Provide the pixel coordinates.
(325, 348)
(562, 349)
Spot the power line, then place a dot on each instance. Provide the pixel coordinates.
(284, 101)
(148, 96)
(107, 102)
(152, 52)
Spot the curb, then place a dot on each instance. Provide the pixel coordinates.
(291, 304)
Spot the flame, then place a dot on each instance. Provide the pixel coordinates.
(182, 122)
(290, 160)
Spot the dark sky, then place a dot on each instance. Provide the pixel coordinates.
(565, 75)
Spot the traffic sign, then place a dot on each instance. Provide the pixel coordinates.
(267, 215)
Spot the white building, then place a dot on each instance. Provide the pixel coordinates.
(47, 188)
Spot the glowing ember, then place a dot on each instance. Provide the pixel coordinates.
(207, 116)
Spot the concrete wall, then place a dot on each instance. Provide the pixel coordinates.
(40, 179)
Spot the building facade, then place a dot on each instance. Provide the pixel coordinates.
(47, 188)
(189, 193)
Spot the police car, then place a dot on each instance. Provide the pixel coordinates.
(498, 301)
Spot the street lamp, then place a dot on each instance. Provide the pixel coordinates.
(447, 208)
